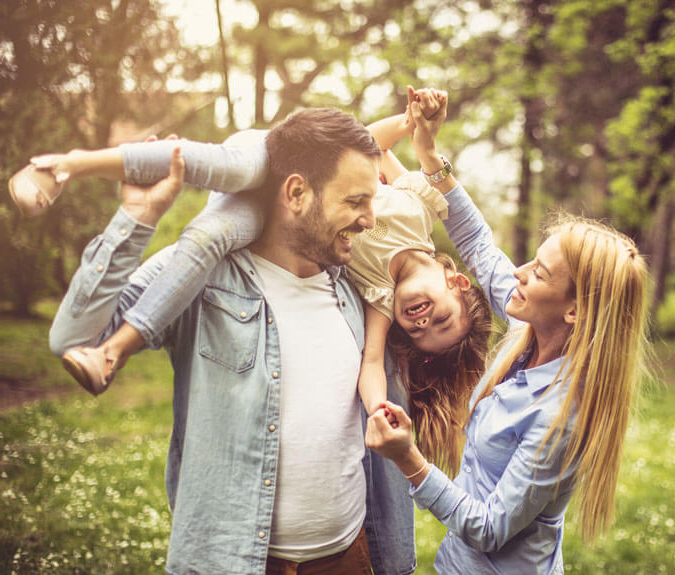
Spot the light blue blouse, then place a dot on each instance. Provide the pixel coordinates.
(505, 509)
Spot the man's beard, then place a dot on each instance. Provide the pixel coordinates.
(310, 238)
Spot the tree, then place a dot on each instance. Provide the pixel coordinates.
(65, 71)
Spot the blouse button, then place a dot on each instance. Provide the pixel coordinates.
(242, 315)
(99, 268)
(261, 534)
(267, 482)
(272, 427)
(467, 468)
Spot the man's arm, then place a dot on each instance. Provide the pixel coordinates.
(103, 286)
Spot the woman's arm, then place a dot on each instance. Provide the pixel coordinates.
(529, 483)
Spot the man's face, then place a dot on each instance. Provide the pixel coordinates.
(323, 233)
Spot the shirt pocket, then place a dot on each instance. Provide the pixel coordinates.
(229, 328)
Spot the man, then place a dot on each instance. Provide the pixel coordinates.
(265, 465)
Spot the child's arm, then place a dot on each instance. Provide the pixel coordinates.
(372, 378)
(390, 130)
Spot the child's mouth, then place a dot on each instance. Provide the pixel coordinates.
(417, 309)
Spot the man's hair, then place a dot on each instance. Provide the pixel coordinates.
(311, 142)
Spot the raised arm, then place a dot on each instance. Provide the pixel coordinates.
(103, 286)
(465, 224)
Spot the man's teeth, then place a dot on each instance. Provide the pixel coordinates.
(345, 235)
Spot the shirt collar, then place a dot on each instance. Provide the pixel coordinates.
(540, 377)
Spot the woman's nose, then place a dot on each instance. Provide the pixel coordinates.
(422, 322)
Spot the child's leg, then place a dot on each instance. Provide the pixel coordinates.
(240, 163)
(228, 222)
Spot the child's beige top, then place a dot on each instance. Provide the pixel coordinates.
(405, 214)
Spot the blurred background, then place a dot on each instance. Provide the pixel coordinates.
(552, 104)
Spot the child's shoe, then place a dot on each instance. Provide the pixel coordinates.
(90, 367)
(35, 187)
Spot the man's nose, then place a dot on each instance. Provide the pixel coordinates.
(367, 218)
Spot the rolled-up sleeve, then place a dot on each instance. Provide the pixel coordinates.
(101, 289)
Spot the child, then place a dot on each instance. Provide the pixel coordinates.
(442, 321)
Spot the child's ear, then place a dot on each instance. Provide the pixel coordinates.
(296, 193)
(457, 279)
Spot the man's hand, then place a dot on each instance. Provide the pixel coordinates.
(147, 204)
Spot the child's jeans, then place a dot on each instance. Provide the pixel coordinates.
(227, 222)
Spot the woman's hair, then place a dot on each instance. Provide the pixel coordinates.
(439, 385)
(604, 359)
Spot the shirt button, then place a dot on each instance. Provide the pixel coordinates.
(99, 268)
(123, 232)
(495, 397)
(275, 374)
(344, 303)
(467, 468)
(267, 482)
(269, 320)
(272, 427)
(261, 534)
(242, 315)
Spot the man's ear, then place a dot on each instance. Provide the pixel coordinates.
(457, 279)
(570, 316)
(296, 193)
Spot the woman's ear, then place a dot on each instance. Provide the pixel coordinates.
(457, 279)
(296, 193)
(570, 315)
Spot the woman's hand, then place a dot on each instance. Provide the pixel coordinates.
(428, 109)
(389, 434)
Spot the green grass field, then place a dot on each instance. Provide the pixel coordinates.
(82, 489)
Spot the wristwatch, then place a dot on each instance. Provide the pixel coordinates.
(442, 174)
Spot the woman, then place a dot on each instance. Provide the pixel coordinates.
(550, 415)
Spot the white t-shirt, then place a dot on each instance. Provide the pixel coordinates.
(320, 497)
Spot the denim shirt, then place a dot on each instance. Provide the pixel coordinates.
(505, 509)
(224, 449)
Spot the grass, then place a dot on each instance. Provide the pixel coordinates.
(82, 490)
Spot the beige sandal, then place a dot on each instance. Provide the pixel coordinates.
(90, 367)
(34, 190)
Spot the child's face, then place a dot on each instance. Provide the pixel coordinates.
(430, 307)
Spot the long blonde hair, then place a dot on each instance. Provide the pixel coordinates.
(604, 359)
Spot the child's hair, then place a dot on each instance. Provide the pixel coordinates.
(439, 385)
(605, 356)
(311, 142)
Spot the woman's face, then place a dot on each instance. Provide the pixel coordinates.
(429, 306)
(544, 295)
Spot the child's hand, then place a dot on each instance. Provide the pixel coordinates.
(57, 164)
(428, 111)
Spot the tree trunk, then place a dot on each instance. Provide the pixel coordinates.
(661, 245)
(225, 67)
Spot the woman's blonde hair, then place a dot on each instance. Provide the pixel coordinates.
(604, 359)
(439, 385)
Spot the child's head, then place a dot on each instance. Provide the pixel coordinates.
(440, 370)
(432, 305)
